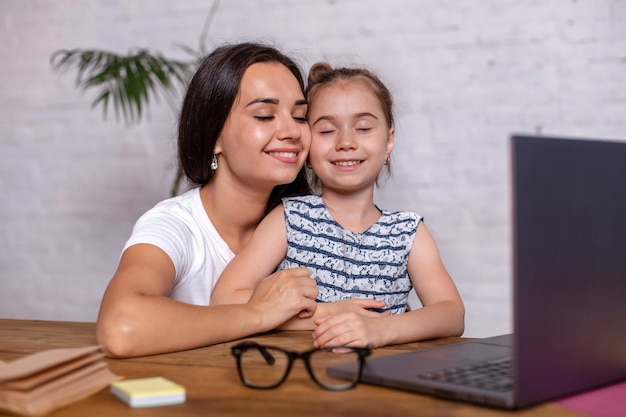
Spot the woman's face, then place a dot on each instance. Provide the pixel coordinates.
(350, 137)
(266, 138)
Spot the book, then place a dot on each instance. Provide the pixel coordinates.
(42, 382)
(149, 392)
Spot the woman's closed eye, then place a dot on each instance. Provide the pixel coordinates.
(269, 118)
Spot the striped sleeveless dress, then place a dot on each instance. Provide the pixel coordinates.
(347, 264)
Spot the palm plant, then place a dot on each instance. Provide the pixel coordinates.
(126, 81)
(129, 82)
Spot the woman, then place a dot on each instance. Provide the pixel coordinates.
(243, 138)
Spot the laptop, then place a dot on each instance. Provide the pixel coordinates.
(569, 287)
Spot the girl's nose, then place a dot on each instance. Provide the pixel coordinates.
(345, 140)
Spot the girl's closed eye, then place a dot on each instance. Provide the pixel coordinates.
(325, 128)
(363, 126)
(264, 118)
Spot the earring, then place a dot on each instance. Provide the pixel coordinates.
(214, 163)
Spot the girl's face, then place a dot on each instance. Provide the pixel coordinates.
(350, 136)
(266, 138)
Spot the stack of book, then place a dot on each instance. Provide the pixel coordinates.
(42, 382)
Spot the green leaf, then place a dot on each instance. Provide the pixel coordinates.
(128, 81)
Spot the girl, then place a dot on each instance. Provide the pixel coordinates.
(350, 246)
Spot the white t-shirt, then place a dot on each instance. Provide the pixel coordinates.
(181, 227)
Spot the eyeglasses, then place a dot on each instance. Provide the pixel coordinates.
(267, 367)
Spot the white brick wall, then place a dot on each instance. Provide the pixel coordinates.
(464, 73)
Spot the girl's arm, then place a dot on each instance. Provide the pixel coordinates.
(442, 314)
(360, 306)
(257, 260)
(138, 318)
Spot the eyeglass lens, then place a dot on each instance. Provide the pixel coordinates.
(320, 360)
(265, 367)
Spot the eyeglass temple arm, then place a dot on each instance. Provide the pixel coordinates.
(269, 358)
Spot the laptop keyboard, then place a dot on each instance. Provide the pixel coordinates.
(493, 375)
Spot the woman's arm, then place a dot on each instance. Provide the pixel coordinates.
(256, 261)
(442, 313)
(138, 318)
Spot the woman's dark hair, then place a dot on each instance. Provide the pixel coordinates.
(207, 104)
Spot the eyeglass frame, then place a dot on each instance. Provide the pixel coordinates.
(238, 349)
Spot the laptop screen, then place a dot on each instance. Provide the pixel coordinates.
(569, 237)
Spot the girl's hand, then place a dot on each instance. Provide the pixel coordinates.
(348, 323)
(349, 329)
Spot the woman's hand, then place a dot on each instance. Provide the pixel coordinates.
(284, 295)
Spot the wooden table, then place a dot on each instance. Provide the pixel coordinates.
(213, 387)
